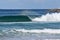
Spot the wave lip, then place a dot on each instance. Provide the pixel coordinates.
(54, 17)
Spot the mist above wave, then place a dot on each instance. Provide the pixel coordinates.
(53, 17)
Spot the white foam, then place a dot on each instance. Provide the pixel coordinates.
(40, 31)
(53, 17)
(15, 22)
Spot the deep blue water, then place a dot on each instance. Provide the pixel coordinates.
(6, 12)
(29, 30)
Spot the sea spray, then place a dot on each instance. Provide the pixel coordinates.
(53, 17)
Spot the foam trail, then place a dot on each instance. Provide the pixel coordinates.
(54, 31)
(54, 17)
(15, 22)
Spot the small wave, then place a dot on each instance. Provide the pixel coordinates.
(30, 34)
(36, 31)
(19, 31)
(53, 17)
(40, 31)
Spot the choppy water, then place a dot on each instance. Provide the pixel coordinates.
(29, 31)
(44, 26)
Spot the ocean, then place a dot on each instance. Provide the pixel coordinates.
(44, 25)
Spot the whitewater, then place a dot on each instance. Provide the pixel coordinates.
(53, 17)
(44, 27)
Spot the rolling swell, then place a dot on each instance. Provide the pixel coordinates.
(14, 19)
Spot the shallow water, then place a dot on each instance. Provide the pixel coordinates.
(30, 31)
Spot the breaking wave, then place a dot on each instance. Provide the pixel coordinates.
(40, 31)
(53, 17)
(49, 31)
(23, 34)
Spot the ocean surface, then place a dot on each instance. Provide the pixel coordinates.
(44, 25)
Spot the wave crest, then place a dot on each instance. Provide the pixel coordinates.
(34, 31)
(54, 17)
(40, 31)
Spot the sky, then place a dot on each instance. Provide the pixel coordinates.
(29, 4)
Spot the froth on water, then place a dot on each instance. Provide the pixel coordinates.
(53, 17)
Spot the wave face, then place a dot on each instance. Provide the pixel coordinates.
(14, 19)
(53, 17)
